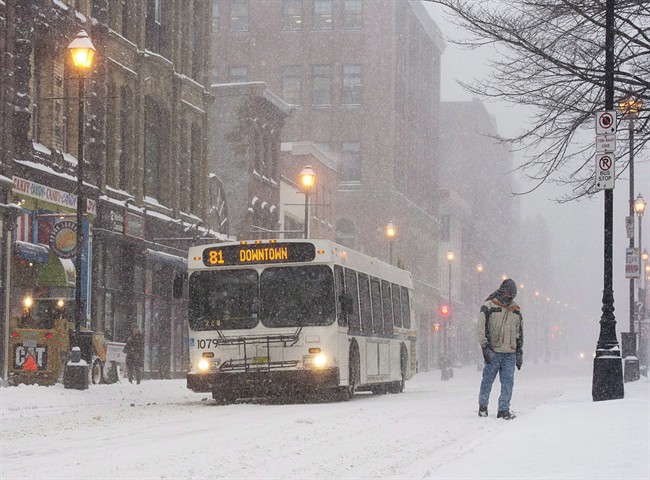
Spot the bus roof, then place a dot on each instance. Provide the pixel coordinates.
(326, 252)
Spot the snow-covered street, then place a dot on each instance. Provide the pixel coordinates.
(159, 429)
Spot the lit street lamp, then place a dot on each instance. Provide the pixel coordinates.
(479, 271)
(391, 231)
(82, 52)
(307, 179)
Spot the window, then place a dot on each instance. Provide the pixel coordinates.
(387, 307)
(215, 16)
(292, 14)
(195, 162)
(445, 231)
(322, 15)
(351, 288)
(351, 89)
(352, 13)
(153, 146)
(397, 306)
(339, 286)
(406, 307)
(238, 15)
(364, 303)
(238, 75)
(346, 233)
(126, 103)
(375, 294)
(291, 84)
(321, 86)
(350, 168)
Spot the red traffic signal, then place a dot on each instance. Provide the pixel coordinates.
(444, 311)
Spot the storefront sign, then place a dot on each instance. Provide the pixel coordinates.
(51, 195)
(63, 239)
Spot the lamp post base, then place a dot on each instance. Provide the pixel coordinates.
(607, 376)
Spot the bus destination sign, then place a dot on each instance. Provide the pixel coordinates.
(258, 253)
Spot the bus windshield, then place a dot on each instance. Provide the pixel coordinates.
(297, 296)
(281, 297)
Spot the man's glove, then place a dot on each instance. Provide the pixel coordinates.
(520, 359)
(488, 353)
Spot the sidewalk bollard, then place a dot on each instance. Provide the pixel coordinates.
(75, 374)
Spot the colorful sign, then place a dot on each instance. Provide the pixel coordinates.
(52, 195)
(63, 239)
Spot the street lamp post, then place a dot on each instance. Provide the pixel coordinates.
(307, 179)
(447, 371)
(391, 231)
(639, 209)
(630, 108)
(82, 52)
(607, 380)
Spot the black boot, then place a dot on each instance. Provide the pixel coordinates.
(482, 411)
(506, 415)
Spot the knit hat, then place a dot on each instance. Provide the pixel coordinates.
(508, 288)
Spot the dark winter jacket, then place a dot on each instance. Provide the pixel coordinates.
(134, 349)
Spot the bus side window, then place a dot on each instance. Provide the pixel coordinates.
(339, 286)
(364, 303)
(375, 295)
(387, 307)
(351, 288)
(397, 306)
(406, 307)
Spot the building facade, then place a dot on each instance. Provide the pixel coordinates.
(363, 78)
(144, 143)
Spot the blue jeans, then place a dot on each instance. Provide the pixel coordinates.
(504, 365)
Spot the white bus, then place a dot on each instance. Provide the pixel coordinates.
(297, 317)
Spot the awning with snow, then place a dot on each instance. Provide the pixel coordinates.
(31, 252)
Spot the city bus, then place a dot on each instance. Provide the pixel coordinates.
(297, 318)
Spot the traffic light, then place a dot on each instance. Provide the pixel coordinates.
(436, 327)
(445, 311)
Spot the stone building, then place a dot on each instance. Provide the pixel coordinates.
(363, 78)
(145, 158)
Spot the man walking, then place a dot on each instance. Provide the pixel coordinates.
(501, 336)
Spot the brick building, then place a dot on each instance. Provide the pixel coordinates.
(363, 78)
(145, 170)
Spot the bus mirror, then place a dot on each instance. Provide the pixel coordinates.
(346, 303)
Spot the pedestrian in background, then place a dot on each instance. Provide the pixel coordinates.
(134, 350)
(501, 336)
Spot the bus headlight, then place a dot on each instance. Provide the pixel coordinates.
(315, 361)
(203, 365)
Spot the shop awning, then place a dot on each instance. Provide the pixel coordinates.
(167, 259)
(58, 272)
(31, 252)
